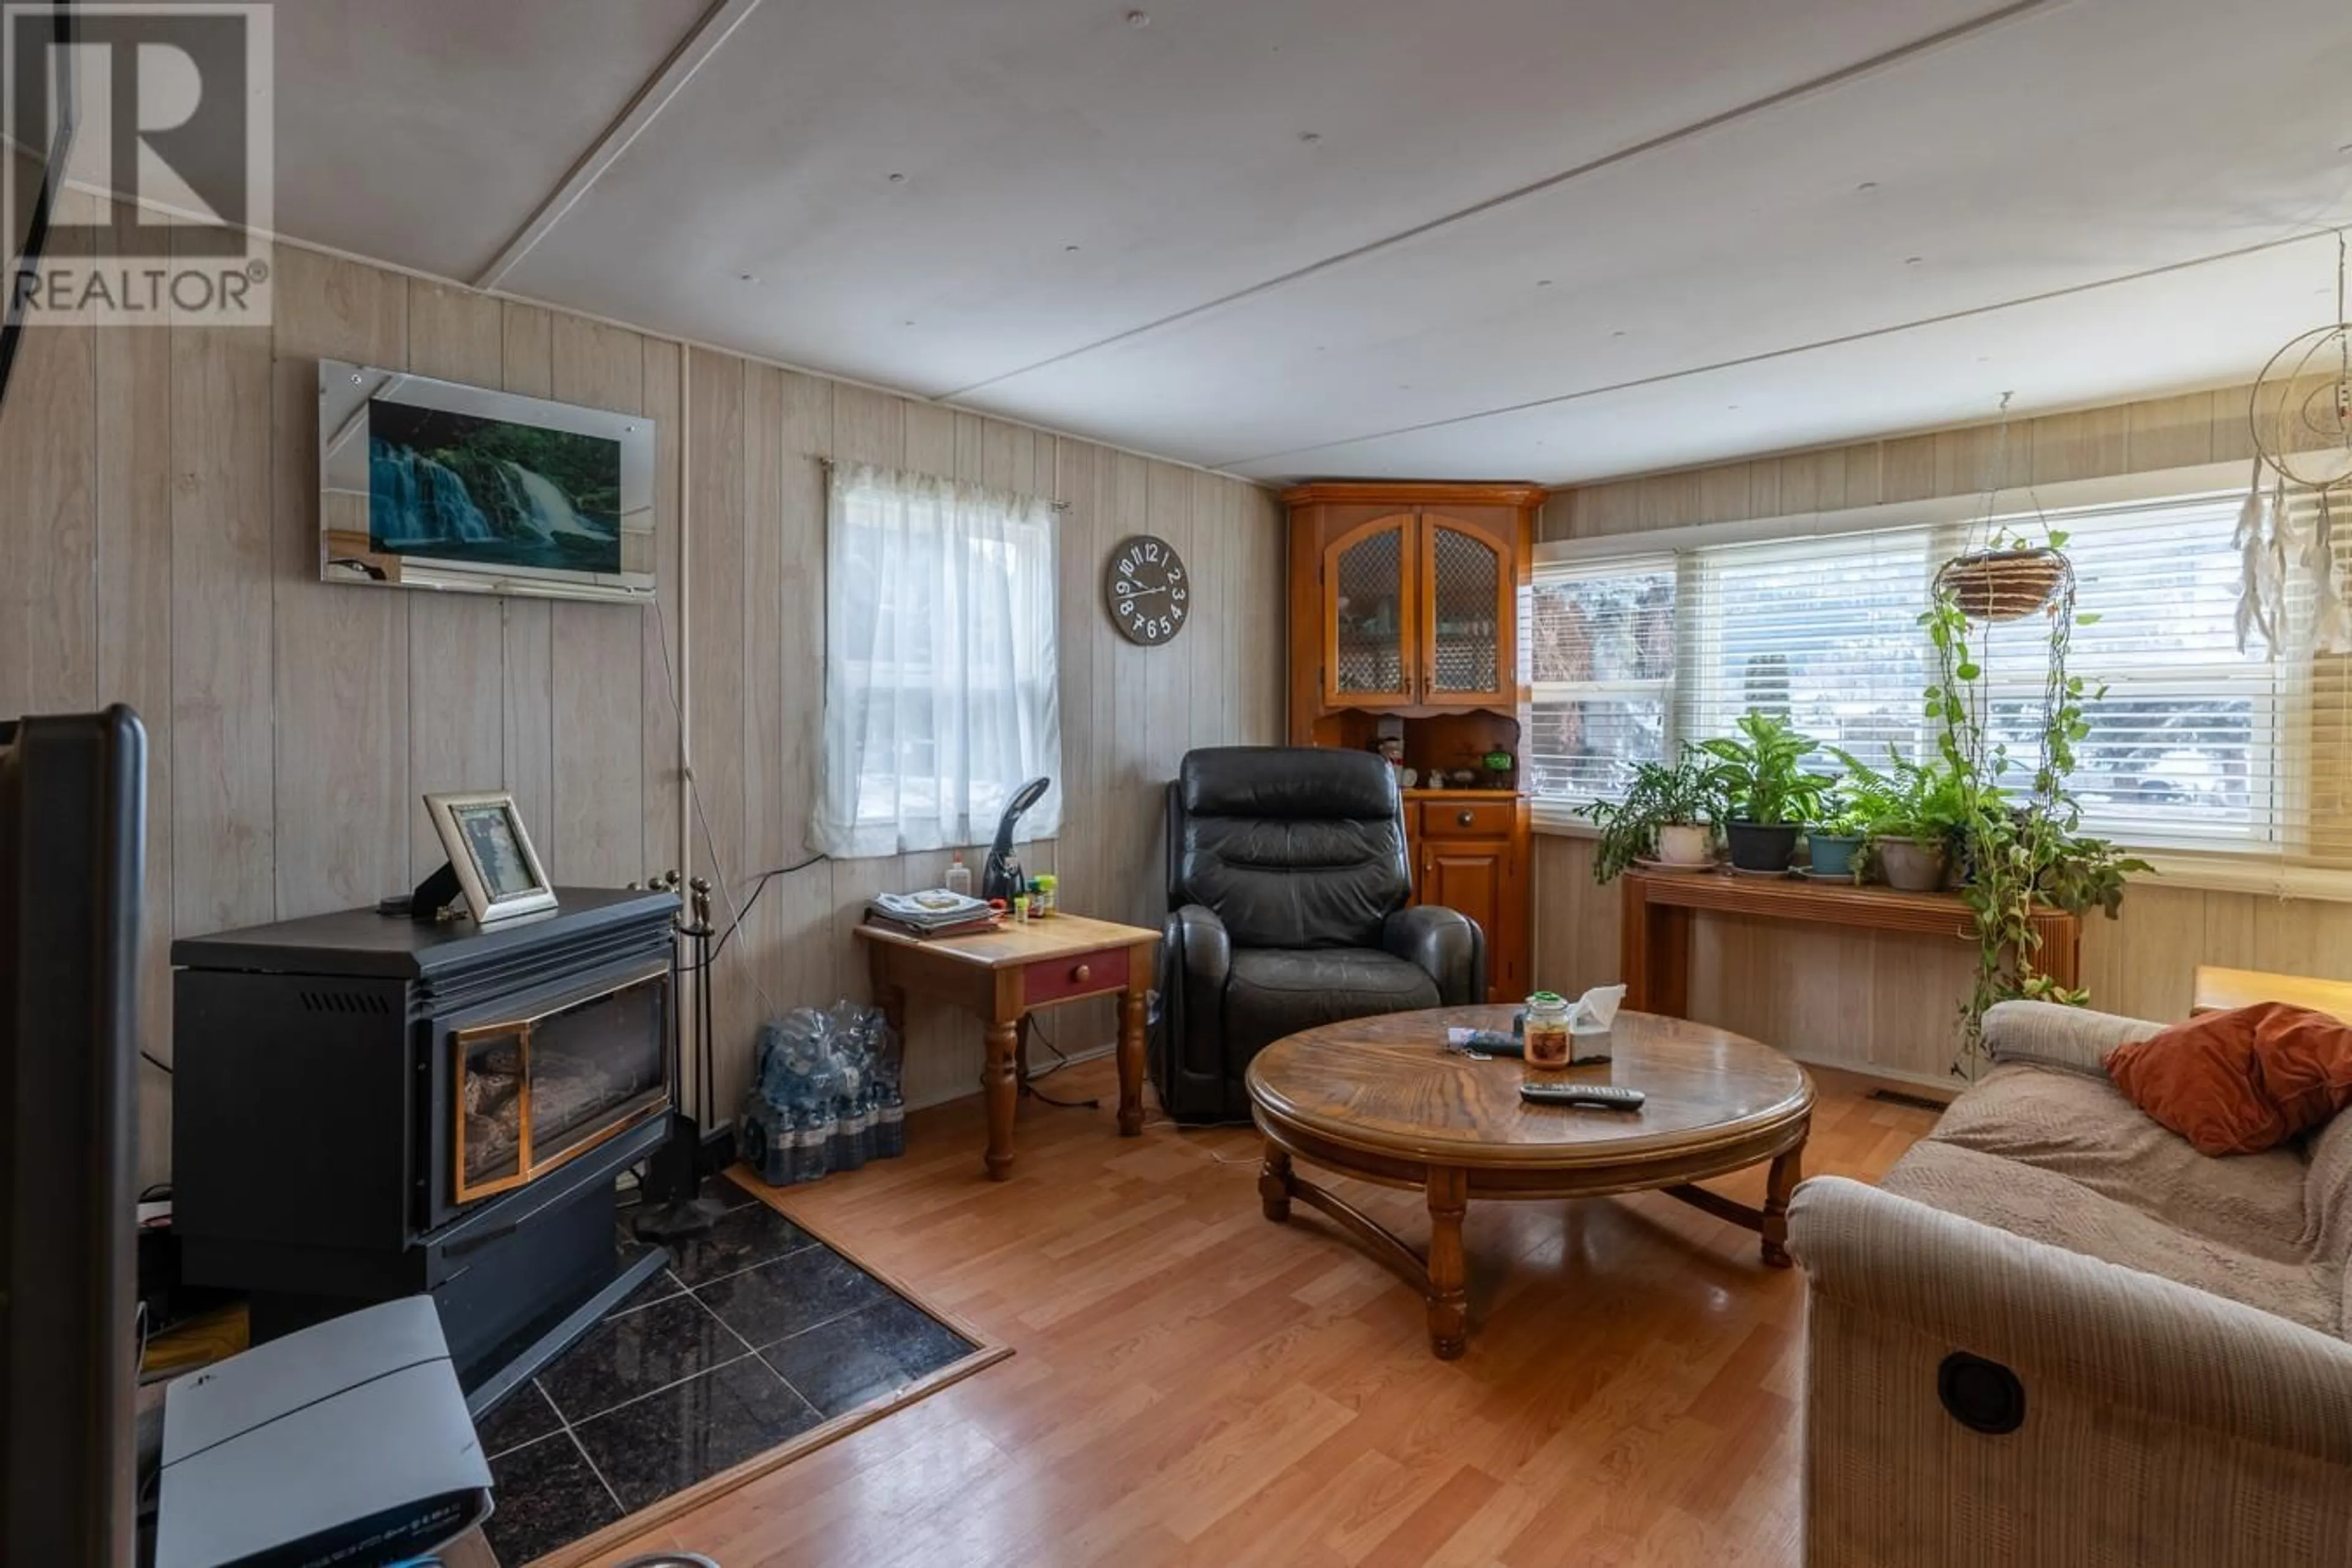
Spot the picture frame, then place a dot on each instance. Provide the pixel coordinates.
(490, 851)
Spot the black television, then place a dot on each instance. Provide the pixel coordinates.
(36, 154)
(72, 843)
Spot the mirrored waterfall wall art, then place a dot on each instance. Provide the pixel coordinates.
(431, 484)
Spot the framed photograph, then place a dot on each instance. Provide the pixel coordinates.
(498, 869)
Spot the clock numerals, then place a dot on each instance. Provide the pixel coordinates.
(1149, 589)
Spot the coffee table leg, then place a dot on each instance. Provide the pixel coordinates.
(1786, 1171)
(1449, 1299)
(1274, 1183)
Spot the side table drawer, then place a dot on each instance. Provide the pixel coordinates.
(1081, 976)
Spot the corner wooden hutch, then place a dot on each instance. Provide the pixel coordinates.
(1404, 620)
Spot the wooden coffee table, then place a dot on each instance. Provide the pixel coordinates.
(1382, 1099)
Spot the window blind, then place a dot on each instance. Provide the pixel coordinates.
(2197, 747)
(1600, 654)
(1823, 632)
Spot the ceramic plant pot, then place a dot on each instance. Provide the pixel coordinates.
(1685, 845)
(1762, 846)
(1911, 864)
(1834, 853)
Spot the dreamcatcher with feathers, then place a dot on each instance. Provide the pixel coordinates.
(2300, 417)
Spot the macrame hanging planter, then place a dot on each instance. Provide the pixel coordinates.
(2300, 417)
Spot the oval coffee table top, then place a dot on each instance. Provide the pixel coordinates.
(1388, 1086)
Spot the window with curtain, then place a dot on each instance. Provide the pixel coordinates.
(2199, 746)
(941, 691)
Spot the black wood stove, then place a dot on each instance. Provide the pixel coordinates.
(365, 1107)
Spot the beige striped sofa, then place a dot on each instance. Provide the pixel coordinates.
(2162, 1335)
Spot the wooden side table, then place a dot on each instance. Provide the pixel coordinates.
(1004, 977)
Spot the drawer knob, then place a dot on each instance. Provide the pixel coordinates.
(1464, 819)
(1081, 973)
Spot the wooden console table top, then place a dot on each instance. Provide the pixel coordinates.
(1658, 906)
(2218, 989)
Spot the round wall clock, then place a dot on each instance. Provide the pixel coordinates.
(1148, 589)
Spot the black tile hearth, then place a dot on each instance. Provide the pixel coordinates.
(661, 1287)
(629, 1356)
(522, 1416)
(751, 1234)
(667, 1441)
(794, 1293)
(548, 1495)
(858, 1359)
(756, 1333)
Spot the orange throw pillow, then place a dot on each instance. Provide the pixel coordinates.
(2242, 1081)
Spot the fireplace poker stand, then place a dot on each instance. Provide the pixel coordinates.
(673, 1206)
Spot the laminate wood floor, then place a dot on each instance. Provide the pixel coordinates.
(1193, 1384)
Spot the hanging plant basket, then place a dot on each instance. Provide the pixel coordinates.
(2002, 584)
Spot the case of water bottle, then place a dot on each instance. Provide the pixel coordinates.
(824, 1096)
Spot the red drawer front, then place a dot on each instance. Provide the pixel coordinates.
(1083, 976)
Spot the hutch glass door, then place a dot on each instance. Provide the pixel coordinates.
(1368, 606)
(1467, 641)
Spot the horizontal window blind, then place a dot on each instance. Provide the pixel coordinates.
(1824, 633)
(2197, 747)
(2186, 749)
(1600, 654)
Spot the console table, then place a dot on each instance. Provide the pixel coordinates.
(1658, 906)
(1003, 977)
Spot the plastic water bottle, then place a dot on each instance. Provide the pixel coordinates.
(959, 877)
(813, 1146)
(890, 1123)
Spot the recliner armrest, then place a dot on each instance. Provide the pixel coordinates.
(1195, 957)
(1445, 944)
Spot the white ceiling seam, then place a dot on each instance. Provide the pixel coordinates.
(1829, 81)
(1790, 352)
(708, 36)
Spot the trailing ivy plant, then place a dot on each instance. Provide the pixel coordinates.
(2019, 847)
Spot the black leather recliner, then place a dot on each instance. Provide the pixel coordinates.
(1287, 889)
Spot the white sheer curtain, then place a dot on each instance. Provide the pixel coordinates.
(941, 691)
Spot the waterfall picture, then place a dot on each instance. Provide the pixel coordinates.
(460, 487)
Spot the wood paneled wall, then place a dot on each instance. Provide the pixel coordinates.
(158, 515)
(1883, 1002)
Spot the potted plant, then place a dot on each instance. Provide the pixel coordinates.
(2011, 578)
(1909, 814)
(1770, 794)
(1669, 812)
(1835, 842)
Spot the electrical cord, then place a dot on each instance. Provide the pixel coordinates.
(759, 887)
(156, 1062)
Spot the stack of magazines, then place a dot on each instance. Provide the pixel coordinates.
(933, 912)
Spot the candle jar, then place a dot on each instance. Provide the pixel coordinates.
(1546, 1030)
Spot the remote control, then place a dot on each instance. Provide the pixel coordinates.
(1599, 1096)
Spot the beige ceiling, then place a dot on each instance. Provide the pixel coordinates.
(1551, 239)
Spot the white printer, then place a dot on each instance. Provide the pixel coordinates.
(344, 1446)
